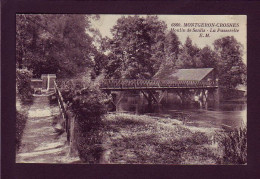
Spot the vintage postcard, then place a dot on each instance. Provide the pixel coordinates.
(131, 89)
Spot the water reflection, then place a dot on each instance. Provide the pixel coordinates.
(227, 115)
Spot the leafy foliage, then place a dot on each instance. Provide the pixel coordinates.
(226, 58)
(232, 70)
(167, 67)
(172, 45)
(208, 58)
(20, 125)
(189, 57)
(89, 143)
(88, 104)
(53, 43)
(100, 62)
(141, 48)
(85, 99)
(168, 62)
(137, 46)
(23, 84)
(234, 145)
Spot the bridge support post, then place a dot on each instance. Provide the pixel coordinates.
(216, 97)
(166, 94)
(181, 94)
(148, 98)
(162, 95)
(205, 98)
(153, 97)
(116, 98)
(120, 97)
(198, 93)
(212, 97)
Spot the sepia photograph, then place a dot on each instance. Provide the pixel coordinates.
(131, 89)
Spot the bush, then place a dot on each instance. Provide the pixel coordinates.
(199, 138)
(85, 99)
(20, 124)
(89, 145)
(234, 146)
(88, 103)
(23, 84)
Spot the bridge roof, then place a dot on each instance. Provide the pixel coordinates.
(196, 74)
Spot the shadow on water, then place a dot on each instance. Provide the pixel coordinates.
(227, 115)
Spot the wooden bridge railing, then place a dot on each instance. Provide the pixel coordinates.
(107, 84)
(63, 107)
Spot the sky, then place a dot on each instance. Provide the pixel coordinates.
(106, 22)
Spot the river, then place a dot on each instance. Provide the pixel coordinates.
(227, 115)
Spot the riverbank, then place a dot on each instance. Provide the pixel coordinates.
(142, 139)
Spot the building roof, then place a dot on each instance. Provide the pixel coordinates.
(196, 74)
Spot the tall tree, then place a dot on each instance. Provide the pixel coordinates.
(113, 68)
(208, 58)
(189, 56)
(138, 46)
(171, 53)
(100, 63)
(53, 43)
(172, 44)
(232, 70)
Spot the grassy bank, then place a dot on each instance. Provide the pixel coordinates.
(140, 139)
(151, 140)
